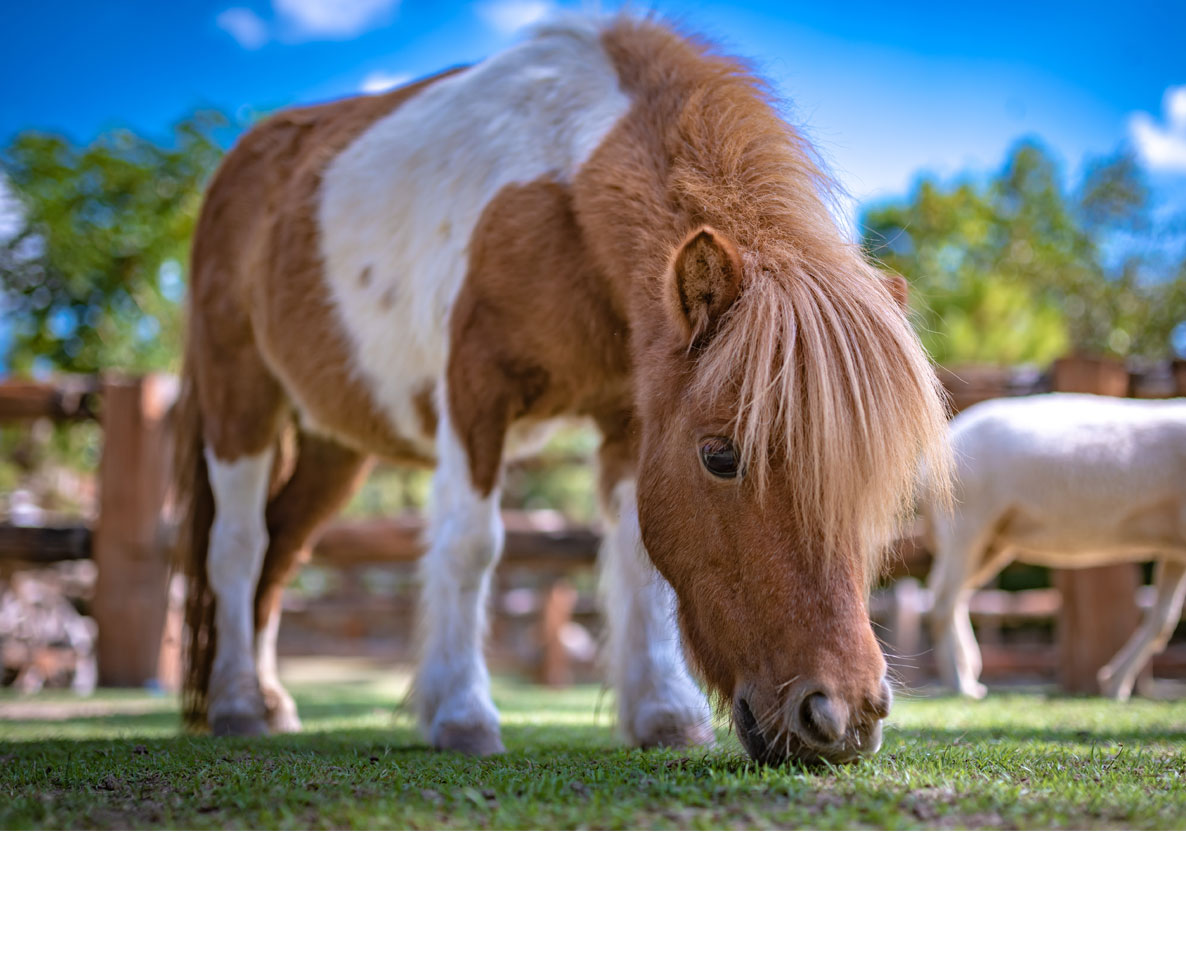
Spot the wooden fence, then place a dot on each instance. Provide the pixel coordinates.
(127, 542)
(130, 543)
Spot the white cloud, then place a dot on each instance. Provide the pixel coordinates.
(336, 19)
(294, 21)
(379, 81)
(245, 26)
(511, 16)
(1163, 147)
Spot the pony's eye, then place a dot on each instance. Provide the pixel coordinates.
(720, 457)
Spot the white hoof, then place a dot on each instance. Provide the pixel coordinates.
(237, 726)
(281, 710)
(237, 709)
(479, 740)
(670, 722)
(466, 722)
(1113, 686)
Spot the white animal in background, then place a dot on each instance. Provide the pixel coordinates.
(1061, 480)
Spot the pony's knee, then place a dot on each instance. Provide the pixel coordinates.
(476, 546)
(466, 544)
(236, 555)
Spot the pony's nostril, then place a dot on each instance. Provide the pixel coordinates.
(820, 720)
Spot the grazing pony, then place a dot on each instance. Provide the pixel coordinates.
(1064, 480)
(608, 221)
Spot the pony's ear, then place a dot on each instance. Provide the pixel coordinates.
(706, 278)
(899, 289)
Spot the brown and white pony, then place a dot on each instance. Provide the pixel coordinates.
(607, 221)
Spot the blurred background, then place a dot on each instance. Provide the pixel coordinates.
(1023, 165)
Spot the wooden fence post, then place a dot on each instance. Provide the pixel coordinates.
(131, 589)
(555, 666)
(1099, 610)
(1178, 370)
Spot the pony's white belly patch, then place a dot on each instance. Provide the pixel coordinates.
(399, 204)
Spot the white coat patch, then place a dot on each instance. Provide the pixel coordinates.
(399, 204)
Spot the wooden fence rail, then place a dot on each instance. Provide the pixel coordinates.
(533, 539)
(41, 545)
(68, 399)
(1096, 608)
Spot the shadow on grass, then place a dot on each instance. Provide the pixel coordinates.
(136, 743)
(398, 720)
(389, 733)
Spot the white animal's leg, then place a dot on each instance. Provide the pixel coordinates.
(952, 638)
(281, 708)
(969, 663)
(658, 702)
(1116, 679)
(968, 659)
(238, 541)
(953, 577)
(465, 540)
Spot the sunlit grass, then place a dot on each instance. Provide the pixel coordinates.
(1012, 761)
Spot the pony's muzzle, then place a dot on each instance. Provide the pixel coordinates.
(813, 725)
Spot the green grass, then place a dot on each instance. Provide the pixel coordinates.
(1012, 761)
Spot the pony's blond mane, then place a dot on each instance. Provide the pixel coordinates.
(832, 383)
(831, 380)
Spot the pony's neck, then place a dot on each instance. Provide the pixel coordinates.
(701, 145)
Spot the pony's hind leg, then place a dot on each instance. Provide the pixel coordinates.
(238, 542)
(325, 476)
(1117, 677)
(658, 702)
(452, 689)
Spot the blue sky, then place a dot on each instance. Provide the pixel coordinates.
(886, 90)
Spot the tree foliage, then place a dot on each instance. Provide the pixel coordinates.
(1016, 268)
(1021, 269)
(94, 277)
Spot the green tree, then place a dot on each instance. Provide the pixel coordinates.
(1020, 269)
(94, 277)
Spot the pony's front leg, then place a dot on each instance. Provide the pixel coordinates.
(658, 702)
(465, 537)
